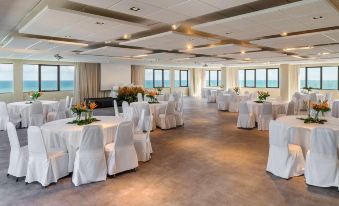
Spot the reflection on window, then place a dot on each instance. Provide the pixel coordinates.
(66, 78)
(250, 78)
(6, 78)
(148, 78)
(273, 78)
(241, 76)
(329, 78)
(181, 78)
(213, 78)
(313, 77)
(157, 78)
(260, 78)
(49, 78)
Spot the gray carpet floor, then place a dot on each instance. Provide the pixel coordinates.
(207, 162)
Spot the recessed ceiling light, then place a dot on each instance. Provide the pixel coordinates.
(284, 34)
(189, 46)
(100, 23)
(126, 36)
(174, 26)
(134, 8)
(324, 53)
(247, 59)
(296, 56)
(141, 55)
(298, 48)
(317, 17)
(243, 52)
(68, 36)
(228, 33)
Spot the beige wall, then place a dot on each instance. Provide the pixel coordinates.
(18, 94)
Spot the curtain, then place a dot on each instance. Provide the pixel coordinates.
(138, 75)
(196, 81)
(232, 79)
(87, 77)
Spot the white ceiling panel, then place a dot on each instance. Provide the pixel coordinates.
(275, 20)
(193, 8)
(200, 59)
(332, 48)
(164, 4)
(20, 43)
(98, 3)
(125, 6)
(168, 41)
(222, 49)
(116, 51)
(167, 56)
(165, 16)
(225, 4)
(65, 24)
(256, 55)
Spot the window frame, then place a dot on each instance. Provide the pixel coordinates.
(180, 80)
(13, 89)
(321, 77)
(209, 78)
(58, 77)
(255, 78)
(162, 77)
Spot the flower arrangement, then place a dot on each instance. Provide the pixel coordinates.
(34, 95)
(80, 109)
(129, 94)
(236, 90)
(262, 96)
(221, 86)
(322, 107)
(307, 90)
(152, 96)
(159, 89)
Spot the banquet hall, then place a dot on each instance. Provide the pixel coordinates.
(169, 102)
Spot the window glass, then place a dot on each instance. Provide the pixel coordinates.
(272, 78)
(250, 76)
(49, 78)
(241, 77)
(66, 78)
(157, 78)
(213, 78)
(184, 78)
(30, 77)
(148, 78)
(219, 77)
(313, 77)
(261, 78)
(330, 78)
(167, 82)
(177, 78)
(207, 78)
(6, 78)
(302, 77)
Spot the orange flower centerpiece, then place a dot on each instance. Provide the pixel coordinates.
(34, 95)
(321, 106)
(80, 109)
(152, 96)
(129, 93)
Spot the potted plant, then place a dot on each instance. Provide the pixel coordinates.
(34, 95)
(152, 96)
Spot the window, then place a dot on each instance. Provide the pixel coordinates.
(313, 77)
(181, 78)
(213, 78)
(260, 78)
(319, 77)
(6, 78)
(241, 76)
(157, 78)
(272, 78)
(250, 78)
(48, 78)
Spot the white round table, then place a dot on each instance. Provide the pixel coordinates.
(20, 110)
(59, 134)
(277, 108)
(299, 133)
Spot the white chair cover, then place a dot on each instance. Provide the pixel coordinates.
(116, 109)
(125, 106)
(167, 120)
(296, 98)
(284, 160)
(121, 155)
(36, 114)
(265, 117)
(179, 113)
(247, 93)
(68, 109)
(44, 167)
(59, 114)
(233, 103)
(245, 118)
(254, 95)
(4, 117)
(211, 98)
(290, 108)
(67, 102)
(313, 97)
(90, 162)
(140, 99)
(222, 102)
(19, 155)
(322, 160)
(142, 144)
(166, 97)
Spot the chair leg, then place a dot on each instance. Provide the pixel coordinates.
(7, 175)
(17, 179)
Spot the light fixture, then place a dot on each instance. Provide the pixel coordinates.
(296, 56)
(298, 48)
(126, 36)
(134, 8)
(284, 34)
(242, 52)
(323, 53)
(174, 26)
(227, 33)
(100, 23)
(247, 59)
(67, 42)
(141, 55)
(68, 36)
(317, 17)
(189, 46)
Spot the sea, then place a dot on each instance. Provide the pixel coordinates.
(65, 85)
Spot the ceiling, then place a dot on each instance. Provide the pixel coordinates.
(171, 32)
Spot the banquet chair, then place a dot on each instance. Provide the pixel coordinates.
(116, 109)
(245, 118)
(233, 105)
(4, 116)
(179, 113)
(69, 113)
(90, 163)
(211, 98)
(59, 114)
(246, 93)
(284, 160)
(36, 114)
(296, 98)
(328, 98)
(229, 91)
(121, 155)
(265, 116)
(44, 167)
(19, 155)
(222, 102)
(67, 102)
(289, 111)
(254, 95)
(313, 97)
(124, 106)
(167, 120)
(321, 167)
(166, 97)
(142, 144)
(140, 99)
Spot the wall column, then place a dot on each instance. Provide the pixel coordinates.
(223, 77)
(284, 82)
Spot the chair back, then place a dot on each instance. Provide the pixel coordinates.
(278, 134)
(266, 108)
(36, 108)
(71, 102)
(222, 98)
(297, 96)
(246, 93)
(116, 110)
(290, 108)
(67, 102)
(3, 109)
(313, 97)
(129, 114)
(125, 105)
(323, 143)
(166, 97)
(92, 139)
(141, 121)
(124, 135)
(62, 106)
(13, 136)
(139, 95)
(243, 108)
(328, 97)
(229, 91)
(36, 144)
(170, 108)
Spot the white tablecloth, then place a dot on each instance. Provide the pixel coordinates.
(277, 108)
(59, 134)
(299, 133)
(20, 110)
